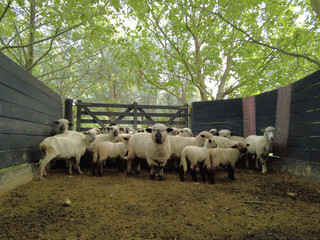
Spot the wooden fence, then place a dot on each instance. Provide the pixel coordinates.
(27, 110)
(294, 109)
(133, 115)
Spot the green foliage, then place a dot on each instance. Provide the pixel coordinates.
(162, 52)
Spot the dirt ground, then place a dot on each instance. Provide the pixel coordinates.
(255, 206)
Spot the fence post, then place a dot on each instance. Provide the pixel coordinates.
(78, 116)
(68, 111)
(135, 117)
(186, 111)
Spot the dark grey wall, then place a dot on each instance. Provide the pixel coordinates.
(27, 110)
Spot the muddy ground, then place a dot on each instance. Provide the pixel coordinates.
(255, 206)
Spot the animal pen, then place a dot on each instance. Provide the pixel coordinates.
(275, 205)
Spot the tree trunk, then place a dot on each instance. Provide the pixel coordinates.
(30, 54)
(224, 78)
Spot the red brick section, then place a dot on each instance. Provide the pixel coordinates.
(282, 120)
(249, 116)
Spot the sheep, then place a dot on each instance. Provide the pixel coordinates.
(195, 155)
(154, 147)
(105, 150)
(186, 132)
(228, 157)
(110, 134)
(213, 131)
(64, 148)
(260, 147)
(223, 142)
(174, 132)
(139, 130)
(228, 134)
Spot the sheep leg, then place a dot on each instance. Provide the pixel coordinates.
(211, 176)
(181, 173)
(152, 172)
(138, 169)
(77, 164)
(264, 164)
(100, 166)
(203, 173)
(193, 172)
(42, 166)
(161, 175)
(231, 173)
(69, 165)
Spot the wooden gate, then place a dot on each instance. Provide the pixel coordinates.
(133, 115)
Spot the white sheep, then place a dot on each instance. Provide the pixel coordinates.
(110, 134)
(213, 131)
(175, 131)
(260, 147)
(226, 157)
(228, 134)
(186, 132)
(154, 147)
(195, 155)
(223, 142)
(64, 148)
(109, 150)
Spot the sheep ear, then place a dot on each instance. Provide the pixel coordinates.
(122, 129)
(210, 140)
(277, 129)
(55, 122)
(149, 129)
(169, 129)
(231, 133)
(98, 131)
(263, 130)
(248, 145)
(203, 136)
(234, 146)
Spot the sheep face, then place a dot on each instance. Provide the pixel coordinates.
(91, 135)
(62, 125)
(114, 130)
(159, 132)
(270, 132)
(241, 146)
(225, 133)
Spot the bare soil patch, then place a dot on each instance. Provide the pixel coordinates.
(255, 206)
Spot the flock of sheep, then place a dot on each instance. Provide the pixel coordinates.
(204, 153)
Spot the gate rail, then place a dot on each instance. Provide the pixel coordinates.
(131, 114)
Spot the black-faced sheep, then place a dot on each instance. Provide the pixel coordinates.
(64, 148)
(154, 147)
(226, 157)
(196, 156)
(109, 150)
(260, 147)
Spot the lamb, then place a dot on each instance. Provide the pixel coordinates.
(110, 134)
(223, 142)
(195, 155)
(228, 157)
(228, 134)
(64, 148)
(186, 132)
(213, 131)
(154, 147)
(105, 150)
(63, 128)
(260, 147)
(179, 143)
(174, 132)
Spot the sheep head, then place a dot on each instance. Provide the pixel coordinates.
(204, 135)
(210, 143)
(113, 129)
(241, 146)
(62, 125)
(91, 135)
(270, 132)
(159, 132)
(214, 131)
(225, 133)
